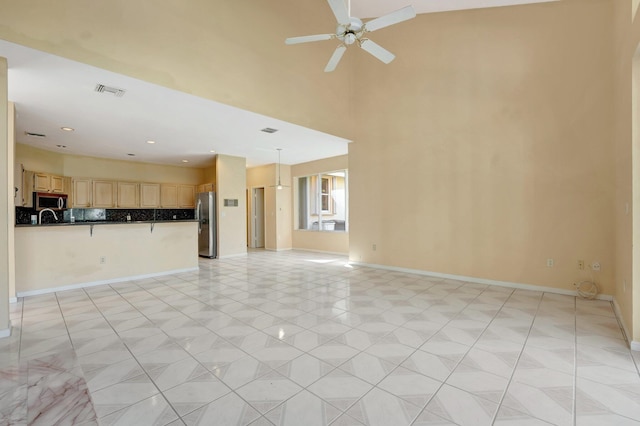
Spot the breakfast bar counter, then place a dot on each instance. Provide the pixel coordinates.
(59, 256)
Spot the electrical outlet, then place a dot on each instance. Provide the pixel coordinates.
(595, 266)
(103, 260)
(580, 264)
(550, 263)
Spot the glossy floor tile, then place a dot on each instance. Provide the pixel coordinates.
(297, 338)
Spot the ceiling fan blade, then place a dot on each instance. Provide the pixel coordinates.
(378, 51)
(335, 58)
(307, 39)
(399, 15)
(339, 8)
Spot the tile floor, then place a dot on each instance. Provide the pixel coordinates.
(297, 338)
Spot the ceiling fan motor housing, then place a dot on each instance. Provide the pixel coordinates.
(351, 32)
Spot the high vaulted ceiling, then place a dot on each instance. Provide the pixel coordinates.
(51, 92)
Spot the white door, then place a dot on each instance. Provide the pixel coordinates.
(257, 218)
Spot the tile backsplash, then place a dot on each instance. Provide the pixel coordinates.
(23, 215)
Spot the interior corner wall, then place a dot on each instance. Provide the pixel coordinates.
(6, 201)
(627, 165)
(231, 183)
(11, 176)
(484, 149)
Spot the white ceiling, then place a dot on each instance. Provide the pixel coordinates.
(51, 92)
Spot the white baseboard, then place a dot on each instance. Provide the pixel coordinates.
(635, 346)
(6, 332)
(102, 282)
(280, 249)
(475, 280)
(625, 330)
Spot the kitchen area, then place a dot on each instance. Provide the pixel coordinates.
(74, 231)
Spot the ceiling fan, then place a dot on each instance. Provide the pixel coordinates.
(352, 30)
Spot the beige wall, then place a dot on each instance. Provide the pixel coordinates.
(485, 149)
(332, 242)
(5, 245)
(49, 257)
(40, 160)
(231, 183)
(627, 164)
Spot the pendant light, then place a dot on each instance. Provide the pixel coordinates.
(279, 186)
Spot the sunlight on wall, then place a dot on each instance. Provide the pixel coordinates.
(634, 9)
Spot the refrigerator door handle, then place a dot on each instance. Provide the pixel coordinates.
(199, 216)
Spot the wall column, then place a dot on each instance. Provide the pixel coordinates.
(6, 202)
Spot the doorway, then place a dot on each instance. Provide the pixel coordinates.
(257, 218)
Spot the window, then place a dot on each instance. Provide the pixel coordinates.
(322, 201)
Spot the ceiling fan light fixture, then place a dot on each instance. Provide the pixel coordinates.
(350, 38)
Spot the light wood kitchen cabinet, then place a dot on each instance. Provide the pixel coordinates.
(206, 187)
(43, 182)
(128, 195)
(81, 194)
(27, 188)
(104, 194)
(150, 195)
(168, 196)
(186, 196)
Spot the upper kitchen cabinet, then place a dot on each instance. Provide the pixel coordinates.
(206, 187)
(81, 195)
(149, 195)
(128, 195)
(174, 196)
(43, 182)
(186, 196)
(169, 196)
(104, 194)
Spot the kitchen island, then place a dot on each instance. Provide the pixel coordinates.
(61, 256)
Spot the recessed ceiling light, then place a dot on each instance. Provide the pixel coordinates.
(213, 150)
(67, 129)
(185, 161)
(35, 135)
(131, 155)
(151, 142)
(269, 130)
(61, 146)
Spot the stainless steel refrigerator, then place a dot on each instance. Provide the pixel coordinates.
(206, 216)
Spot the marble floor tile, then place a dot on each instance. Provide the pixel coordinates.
(297, 338)
(380, 408)
(195, 393)
(340, 388)
(268, 391)
(122, 395)
(305, 369)
(461, 407)
(304, 408)
(411, 386)
(151, 411)
(227, 410)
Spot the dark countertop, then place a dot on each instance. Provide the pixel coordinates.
(28, 225)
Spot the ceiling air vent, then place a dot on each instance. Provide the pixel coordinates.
(269, 130)
(101, 88)
(35, 135)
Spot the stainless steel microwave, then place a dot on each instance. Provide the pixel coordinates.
(46, 200)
